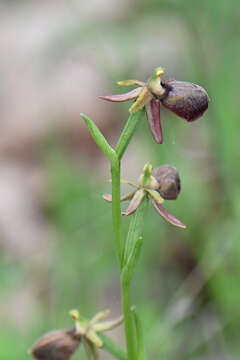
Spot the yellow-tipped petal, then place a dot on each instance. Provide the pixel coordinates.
(144, 98)
(155, 195)
(126, 182)
(131, 82)
(99, 316)
(108, 325)
(94, 338)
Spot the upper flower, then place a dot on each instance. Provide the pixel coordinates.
(162, 183)
(186, 100)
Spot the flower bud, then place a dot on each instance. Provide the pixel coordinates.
(186, 100)
(56, 345)
(169, 181)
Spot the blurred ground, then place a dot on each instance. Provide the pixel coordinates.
(56, 248)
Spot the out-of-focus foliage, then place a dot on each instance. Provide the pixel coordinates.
(187, 282)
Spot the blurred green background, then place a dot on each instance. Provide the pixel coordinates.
(56, 239)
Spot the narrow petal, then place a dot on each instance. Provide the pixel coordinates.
(130, 82)
(167, 216)
(135, 202)
(144, 98)
(99, 316)
(107, 325)
(155, 195)
(94, 338)
(153, 115)
(129, 196)
(126, 182)
(133, 94)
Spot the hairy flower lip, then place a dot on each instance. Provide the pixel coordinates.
(56, 345)
(187, 100)
(169, 181)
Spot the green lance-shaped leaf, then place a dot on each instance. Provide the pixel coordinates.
(141, 351)
(132, 260)
(99, 138)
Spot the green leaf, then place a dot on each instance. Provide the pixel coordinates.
(132, 260)
(134, 242)
(99, 138)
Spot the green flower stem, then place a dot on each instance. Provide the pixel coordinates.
(141, 352)
(112, 348)
(122, 144)
(129, 255)
(125, 286)
(128, 132)
(128, 321)
(116, 208)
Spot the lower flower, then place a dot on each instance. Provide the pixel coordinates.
(162, 183)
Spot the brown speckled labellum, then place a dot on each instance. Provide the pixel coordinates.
(56, 345)
(186, 100)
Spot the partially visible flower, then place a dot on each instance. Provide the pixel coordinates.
(61, 344)
(56, 345)
(186, 100)
(162, 183)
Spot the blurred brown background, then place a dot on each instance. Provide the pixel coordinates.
(56, 247)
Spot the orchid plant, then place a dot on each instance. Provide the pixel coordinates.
(186, 100)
